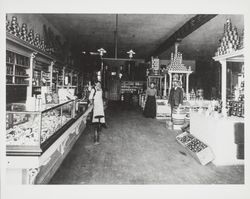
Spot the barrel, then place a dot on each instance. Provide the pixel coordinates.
(178, 117)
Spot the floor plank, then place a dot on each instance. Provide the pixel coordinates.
(137, 150)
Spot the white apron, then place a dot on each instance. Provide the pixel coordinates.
(98, 108)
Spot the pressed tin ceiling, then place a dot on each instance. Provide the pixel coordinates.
(141, 32)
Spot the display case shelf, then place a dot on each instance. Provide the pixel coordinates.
(30, 131)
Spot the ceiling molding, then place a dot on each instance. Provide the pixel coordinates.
(190, 26)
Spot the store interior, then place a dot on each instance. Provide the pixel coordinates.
(51, 62)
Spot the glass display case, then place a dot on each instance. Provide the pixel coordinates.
(28, 131)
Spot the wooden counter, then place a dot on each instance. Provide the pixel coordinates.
(40, 169)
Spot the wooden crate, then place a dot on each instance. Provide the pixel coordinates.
(204, 156)
(182, 138)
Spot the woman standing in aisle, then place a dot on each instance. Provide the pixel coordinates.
(150, 106)
(96, 99)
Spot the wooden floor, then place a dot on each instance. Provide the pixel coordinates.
(137, 150)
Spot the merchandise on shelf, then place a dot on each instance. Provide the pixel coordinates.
(51, 122)
(9, 70)
(231, 41)
(43, 45)
(196, 145)
(24, 130)
(9, 80)
(235, 108)
(16, 66)
(22, 60)
(37, 40)
(185, 138)
(8, 28)
(14, 27)
(36, 78)
(199, 150)
(31, 37)
(241, 45)
(24, 32)
(192, 95)
(10, 57)
(132, 87)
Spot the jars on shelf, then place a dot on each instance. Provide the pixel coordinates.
(230, 41)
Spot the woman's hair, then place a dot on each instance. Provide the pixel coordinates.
(152, 83)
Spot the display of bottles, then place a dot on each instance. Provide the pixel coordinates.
(20, 80)
(9, 80)
(20, 72)
(241, 45)
(36, 81)
(45, 75)
(16, 66)
(31, 37)
(14, 27)
(192, 95)
(23, 33)
(235, 108)
(9, 70)
(37, 90)
(10, 57)
(21, 60)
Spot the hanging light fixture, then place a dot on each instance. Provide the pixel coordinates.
(130, 53)
(102, 51)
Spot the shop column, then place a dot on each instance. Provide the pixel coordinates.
(170, 82)
(165, 85)
(29, 90)
(187, 85)
(224, 85)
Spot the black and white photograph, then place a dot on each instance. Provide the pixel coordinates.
(103, 98)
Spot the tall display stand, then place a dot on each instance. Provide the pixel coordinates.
(177, 70)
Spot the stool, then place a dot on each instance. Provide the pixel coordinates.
(98, 129)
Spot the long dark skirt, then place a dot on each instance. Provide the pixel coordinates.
(150, 107)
